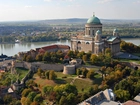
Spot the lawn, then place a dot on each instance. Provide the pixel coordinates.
(82, 84)
(22, 72)
(129, 60)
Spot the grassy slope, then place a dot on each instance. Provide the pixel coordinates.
(22, 72)
(82, 84)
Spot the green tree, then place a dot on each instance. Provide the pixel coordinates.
(31, 96)
(80, 54)
(24, 57)
(84, 58)
(94, 59)
(71, 54)
(78, 71)
(63, 101)
(47, 90)
(40, 72)
(90, 74)
(39, 57)
(38, 98)
(71, 99)
(52, 75)
(7, 99)
(25, 92)
(84, 71)
(122, 95)
(47, 57)
(29, 58)
(30, 83)
(47, 74)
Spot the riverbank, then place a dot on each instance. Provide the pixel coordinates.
(11, 49)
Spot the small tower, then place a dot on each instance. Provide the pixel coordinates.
(99, 44)
(116, 33)
(13, 67)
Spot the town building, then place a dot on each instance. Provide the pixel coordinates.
(105, 97)
(93, 41)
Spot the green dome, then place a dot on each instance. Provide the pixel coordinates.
(98, 32)
(115, 30)
(93, 20)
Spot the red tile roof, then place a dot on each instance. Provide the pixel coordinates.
(57, 47)
(131, 103)
(50, 47)
(2, 71)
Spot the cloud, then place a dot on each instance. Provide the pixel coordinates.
(76, 5)
(28, 6)
(48, 0)
(104, 1)
(59, 0)
(137, 2)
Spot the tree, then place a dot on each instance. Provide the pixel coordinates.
(78, 71)
(84, 58)
(31, 96)
(7, 81)
(94, 59)
(30, 83)
(102, 70)
(63, 101)
(108, 52)
(29, 58)
(39, 57)
(47, 74)
(40, 72)
(71, 54)
(7, 99)
(122, 95)
(47, 90)
(80, 54)
(84, 71)
(47, 57)
(35, 103)
(71, 99)
(25, 92)
(38, 98)
(24, 57)
(90, 74)
(90, 91)
(68, 88)
(52, 75)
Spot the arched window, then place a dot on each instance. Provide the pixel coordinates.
(87, 43)
(79, 42)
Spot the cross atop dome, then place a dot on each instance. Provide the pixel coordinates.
(93, 14)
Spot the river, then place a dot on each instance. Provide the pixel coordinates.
(12, 49)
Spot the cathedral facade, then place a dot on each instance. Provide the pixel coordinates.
(93, 41)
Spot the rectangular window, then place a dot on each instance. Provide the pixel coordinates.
(79, 48)
(93, 32)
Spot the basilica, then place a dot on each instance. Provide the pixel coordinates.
(93, 41)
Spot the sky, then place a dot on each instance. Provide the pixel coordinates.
(21, 10)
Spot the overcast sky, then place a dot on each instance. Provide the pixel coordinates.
(15, 10)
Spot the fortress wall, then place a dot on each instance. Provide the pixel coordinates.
(55, 67)
(35, 66)
(23, 64)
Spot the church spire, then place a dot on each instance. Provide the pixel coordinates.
(93, 14)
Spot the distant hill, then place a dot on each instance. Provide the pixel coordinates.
(67, 22)
(83, 21)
